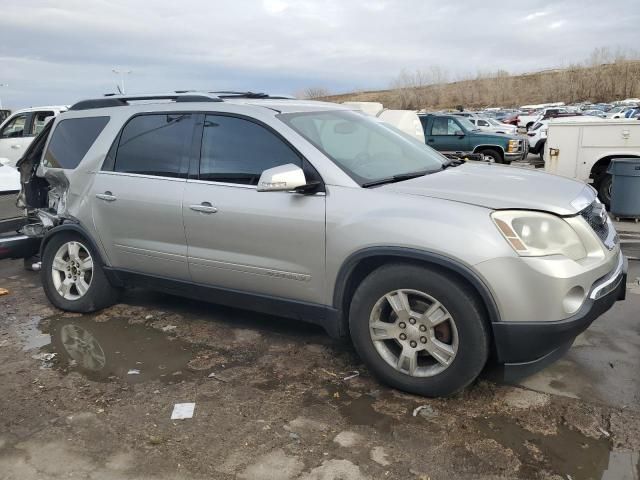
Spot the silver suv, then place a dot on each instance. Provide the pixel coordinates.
(312, 211)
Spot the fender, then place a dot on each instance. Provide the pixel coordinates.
(478, 147)
(349, 265)
(71, 226)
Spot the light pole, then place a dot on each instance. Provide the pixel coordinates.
(2, 85)
(122, 73)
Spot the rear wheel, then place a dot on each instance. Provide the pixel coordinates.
(492, 156)
(604, 189)
(419, 330)
(72, 276)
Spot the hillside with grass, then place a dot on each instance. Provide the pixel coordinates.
(603, 78)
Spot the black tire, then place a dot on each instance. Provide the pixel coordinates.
(495, 154)
(604, 189)
(456, 297)
(100, 293)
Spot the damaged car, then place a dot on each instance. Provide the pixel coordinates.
(312, 211)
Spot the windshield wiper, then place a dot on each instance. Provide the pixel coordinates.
(398, 178)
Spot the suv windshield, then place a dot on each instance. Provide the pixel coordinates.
(368, 150)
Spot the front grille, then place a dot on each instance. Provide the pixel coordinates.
(592, 215)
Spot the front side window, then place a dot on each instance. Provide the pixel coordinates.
(365, 148)
(15, 127)
(155, 144)
(71, 141)
(235, 150)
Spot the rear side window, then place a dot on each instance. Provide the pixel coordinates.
(235, 150)
(71, 140)
(155, 144)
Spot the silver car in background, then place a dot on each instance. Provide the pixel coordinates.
(312, 211)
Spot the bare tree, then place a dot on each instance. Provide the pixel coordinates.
(315, 92)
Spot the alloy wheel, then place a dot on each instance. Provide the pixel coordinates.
(72, 270)
(414, 333)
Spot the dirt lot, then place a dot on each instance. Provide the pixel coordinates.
(91, 397)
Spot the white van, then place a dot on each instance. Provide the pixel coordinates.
(583, 149)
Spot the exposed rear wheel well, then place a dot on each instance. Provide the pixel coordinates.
(367, 265)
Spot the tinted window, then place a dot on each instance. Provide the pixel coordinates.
(71, 141)
(155, 144)
(15, 127)
(238, 151)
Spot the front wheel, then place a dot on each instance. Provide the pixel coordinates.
(419, 330)
(492, 156)
(72, 276)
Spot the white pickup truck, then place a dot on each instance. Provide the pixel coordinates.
(527, 121)
(19, 130)
(583, 149)
(10, 215)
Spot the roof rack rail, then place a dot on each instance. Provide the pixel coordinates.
(257, 95)
(113, 100)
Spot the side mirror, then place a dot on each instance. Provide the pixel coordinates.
(283, 178)
(4, 161)
(460, 133)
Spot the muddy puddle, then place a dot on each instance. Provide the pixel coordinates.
(567, 453)
(103, 351)
(116, 350)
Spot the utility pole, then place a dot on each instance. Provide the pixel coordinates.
(122, 73)
(2, 85)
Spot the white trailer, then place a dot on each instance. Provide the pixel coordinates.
(583, 149)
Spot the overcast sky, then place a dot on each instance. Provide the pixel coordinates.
(59, 51)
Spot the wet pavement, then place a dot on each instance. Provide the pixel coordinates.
(90, 396)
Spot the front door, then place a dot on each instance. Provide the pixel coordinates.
(14, 138)
(137, 197)
(447, 135)
(270, 243)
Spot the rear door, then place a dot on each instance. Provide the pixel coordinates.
(270, 243)
(447, 135)
(137, 197)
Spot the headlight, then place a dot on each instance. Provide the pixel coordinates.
(535, 234)
(513, 146)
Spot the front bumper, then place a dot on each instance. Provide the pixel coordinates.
(521, 154)
(524, 348)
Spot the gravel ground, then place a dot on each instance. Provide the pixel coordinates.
(90, 396)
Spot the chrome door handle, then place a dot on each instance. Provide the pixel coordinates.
(15, 147)
(204, 207)
(106, 196)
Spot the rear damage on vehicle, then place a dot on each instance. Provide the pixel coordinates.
(42, 199)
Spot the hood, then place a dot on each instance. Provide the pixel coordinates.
(488, 134)
(9, 179)
(497, 187)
